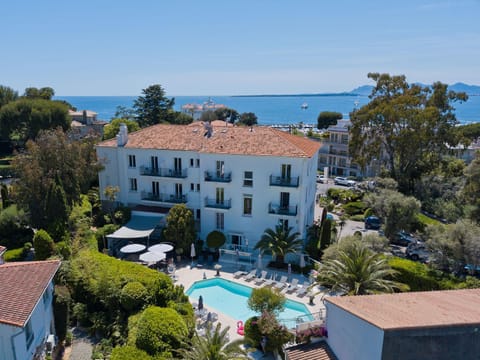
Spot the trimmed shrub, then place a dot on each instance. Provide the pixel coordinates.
(252, 331)
(215, 239)
(133, 295)
(416, 275)
(160, 330)
(61, 308)
(14, 255)
(354, 208)
(129, 353)
(43, 244)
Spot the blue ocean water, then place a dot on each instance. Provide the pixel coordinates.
(269, 109)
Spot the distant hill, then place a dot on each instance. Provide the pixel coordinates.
(457, 87)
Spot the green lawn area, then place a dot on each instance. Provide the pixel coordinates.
(424, 219)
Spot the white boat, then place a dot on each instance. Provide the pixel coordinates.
(304, 106)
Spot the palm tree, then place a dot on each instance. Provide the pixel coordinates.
(214, 346)
(280, 242)
(358, 271)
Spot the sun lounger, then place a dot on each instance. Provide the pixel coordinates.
(304, 289)
(270, 281)
(282, 282)
(238, 274)
(252, 274)
(262, 278)
(293, 286)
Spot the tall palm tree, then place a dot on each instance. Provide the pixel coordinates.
(280, 242)
(214, 346)
(358, 271)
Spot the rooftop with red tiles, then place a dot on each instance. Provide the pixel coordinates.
(312, 351)
(414, 309)
(22, 285)
(234, 140)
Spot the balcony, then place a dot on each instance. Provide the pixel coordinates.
(166, 198)
(216, 177)
(163, 172)
(282, 210)
(215, 204)
(284, 181)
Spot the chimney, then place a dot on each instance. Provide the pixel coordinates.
(122, 136)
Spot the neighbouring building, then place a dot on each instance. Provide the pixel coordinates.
(196, 110)
(333, 152)
(26, 312)
(85, 123)
(238, 180)
(437, 325)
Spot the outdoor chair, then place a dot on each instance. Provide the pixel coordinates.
(270, 281)
(252, 274)
(293, 286)
(238, 274)
(304, 289)
(282, 282)
(262, 278)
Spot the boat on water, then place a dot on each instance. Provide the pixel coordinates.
(304, 106)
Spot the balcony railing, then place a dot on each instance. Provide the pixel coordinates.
(214, 176)
(284, 181)
(282, 210)
(166, 198)
(163, 172)
(214, 203)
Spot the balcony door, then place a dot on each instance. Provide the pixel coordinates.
(154, 164)
(284, 200)
(219, 196)
(286, 171)
(220, 169)
(155, 188)
(178, 165)
(178, 191)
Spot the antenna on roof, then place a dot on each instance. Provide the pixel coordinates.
(208, 130)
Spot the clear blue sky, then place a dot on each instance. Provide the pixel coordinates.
(227, 47)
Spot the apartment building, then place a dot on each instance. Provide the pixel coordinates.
(238, 180)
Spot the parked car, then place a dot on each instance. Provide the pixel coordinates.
(321, 179)
(372, 222)
(403, 238)
(339, 180)
(417, 252)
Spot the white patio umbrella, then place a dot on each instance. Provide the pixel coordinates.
(160, 248)
(259, 262)
(132, 248)
(151, 257)
(192, 253)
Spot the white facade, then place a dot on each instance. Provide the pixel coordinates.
(352, 338)
(22, 343)
(217, 187)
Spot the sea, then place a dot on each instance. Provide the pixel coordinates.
(270, 110)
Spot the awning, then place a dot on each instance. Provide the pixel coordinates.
(137, 227)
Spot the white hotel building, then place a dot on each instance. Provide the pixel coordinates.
(237, 180)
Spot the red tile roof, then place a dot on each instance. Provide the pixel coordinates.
(312, 351)
(22, 285)
(236, 140)
(414, 309)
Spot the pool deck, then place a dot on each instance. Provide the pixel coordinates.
(186, 275)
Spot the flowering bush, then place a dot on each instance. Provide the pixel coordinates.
(304, 336)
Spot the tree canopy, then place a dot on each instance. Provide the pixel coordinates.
(45, 93)
(7, 95)
(180, 228)
(406, 127)
(280, 242)
(111, 130)
(248, 119)
(327, 118)
(153, 107)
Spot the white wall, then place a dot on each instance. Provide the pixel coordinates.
(117, 173)
(42, 325)
(352, 338)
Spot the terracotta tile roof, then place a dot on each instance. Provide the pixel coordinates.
(414, 309)
(236, 140)
(22, 285)
(313, 351)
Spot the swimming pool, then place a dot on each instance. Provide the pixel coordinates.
(230, 298)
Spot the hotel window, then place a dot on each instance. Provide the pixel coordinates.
(132, 161)
(283, 223)
(247, 205)
(220, 221)
(198, 187)
(248, 178)
(192, 187)
(197, 163)
(191, 162)
(133, 184)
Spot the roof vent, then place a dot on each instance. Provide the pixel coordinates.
(208, 130)
(122, 136)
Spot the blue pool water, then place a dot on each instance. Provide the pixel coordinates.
(230, 298)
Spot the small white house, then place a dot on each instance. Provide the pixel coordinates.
(26, 311)
(440, 325)
(238, 180)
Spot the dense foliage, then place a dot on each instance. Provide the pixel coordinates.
(406, 127)
(327, 118)
(180, 228)
(266, 299)
(43, 244)
(279, 242)
(112, 128)
(153, 107)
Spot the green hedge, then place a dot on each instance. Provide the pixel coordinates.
(129, 353)
(416, 275)
(13, 255)
(355, 208)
